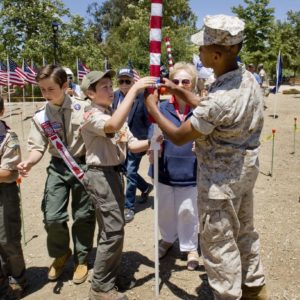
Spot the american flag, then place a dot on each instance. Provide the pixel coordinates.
(16, 75)
(30, 74)
(136, 75)
(3, 73)
(82, 70)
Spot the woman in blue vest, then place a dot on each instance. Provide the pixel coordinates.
(177, 192)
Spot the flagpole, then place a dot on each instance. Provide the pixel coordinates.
(77, 70)
(155, 60)
(8, 88)
(32, 86)
(23, 88)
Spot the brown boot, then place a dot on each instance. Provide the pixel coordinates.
(254, 293)
(57, 266)
(80, 273)
(109, 295)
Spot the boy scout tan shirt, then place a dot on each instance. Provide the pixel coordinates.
(230, 119)
(104, 149)
(73, 110)
(10, 154)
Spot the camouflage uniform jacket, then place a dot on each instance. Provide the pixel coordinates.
(230, 119)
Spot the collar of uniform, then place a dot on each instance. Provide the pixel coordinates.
(227, 76)
(67, 104)
(103, 109)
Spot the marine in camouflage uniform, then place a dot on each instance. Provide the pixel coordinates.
(12, 265)
(226, 126)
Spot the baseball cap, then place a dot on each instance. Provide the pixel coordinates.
(93, 77)
(68, 71)
(220, 30)
(125, 72)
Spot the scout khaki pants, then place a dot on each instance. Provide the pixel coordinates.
(106, 190)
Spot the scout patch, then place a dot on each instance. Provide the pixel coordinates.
(77, 106)
(56, 126)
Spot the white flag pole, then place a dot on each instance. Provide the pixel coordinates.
(8, 88)
(23, 87)
(77, 70)
(32, 86)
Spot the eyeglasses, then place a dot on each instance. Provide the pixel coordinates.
(182, 81)
(126, 81)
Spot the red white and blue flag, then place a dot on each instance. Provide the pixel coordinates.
(30, 73)
(3, 73)
(82, 70)
(16, 76)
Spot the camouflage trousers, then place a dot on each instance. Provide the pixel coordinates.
(229, 242)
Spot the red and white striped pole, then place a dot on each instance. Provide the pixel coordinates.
(155, 37)
(169, 53)
(155, 58)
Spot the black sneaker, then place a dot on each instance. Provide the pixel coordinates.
(145, 195)
(128, 215)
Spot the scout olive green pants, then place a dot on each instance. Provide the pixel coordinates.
(106, 190)
(60, 183)
(11, 254)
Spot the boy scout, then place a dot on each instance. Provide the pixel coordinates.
(226, 126)
(60, 120)
(106, 138)
(12, 265)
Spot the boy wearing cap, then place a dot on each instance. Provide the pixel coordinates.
(138, 124)
(56, 127)
(226, 126)
(106, 137)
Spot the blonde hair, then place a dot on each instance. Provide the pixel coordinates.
(189, 68)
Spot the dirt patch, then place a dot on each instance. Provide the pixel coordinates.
(277, 219)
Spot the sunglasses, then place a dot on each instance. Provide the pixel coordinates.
(183, 81)
(126, 81)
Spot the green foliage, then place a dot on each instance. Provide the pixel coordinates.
(119, 30)
(123, 28)
(265, 37)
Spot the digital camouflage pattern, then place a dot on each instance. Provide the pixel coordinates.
(231, 120)
(220, 30)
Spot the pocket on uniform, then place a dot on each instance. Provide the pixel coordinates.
(217, 226)
(112, 216)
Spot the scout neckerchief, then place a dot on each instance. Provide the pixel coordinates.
(59, 145)
(176, 107)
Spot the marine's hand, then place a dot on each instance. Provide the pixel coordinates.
(151, 102)
(168, 84)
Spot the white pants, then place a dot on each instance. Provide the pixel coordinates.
(178, 215)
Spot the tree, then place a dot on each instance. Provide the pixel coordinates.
(259, 23)
(26, 26)
(123, 29)
(26, 30)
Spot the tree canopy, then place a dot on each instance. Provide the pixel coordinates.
(119, 30)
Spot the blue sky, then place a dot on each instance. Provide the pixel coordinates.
(202, 7)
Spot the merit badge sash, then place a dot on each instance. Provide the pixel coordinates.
(59, 145)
